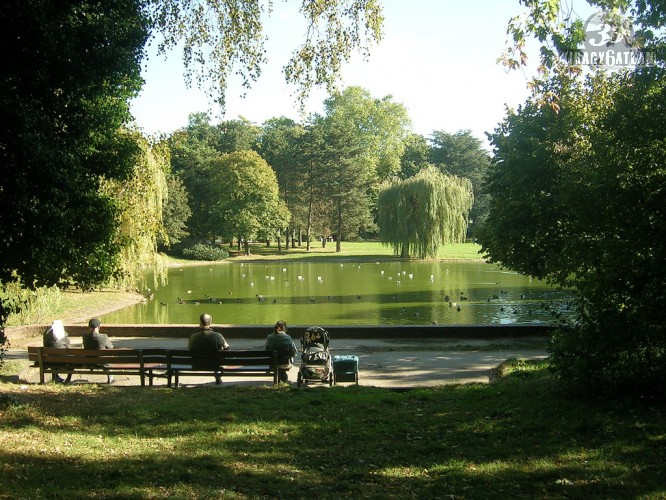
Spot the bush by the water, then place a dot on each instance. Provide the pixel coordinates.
(201, 251)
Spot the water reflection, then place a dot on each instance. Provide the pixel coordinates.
(396, 293)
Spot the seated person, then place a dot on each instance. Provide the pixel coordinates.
(284, 344)
(205, 341)
(56, 336)
(95, 340)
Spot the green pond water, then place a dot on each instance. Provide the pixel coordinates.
(381, 293)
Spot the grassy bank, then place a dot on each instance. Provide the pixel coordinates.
(517, 438)
(358, 251)
(73, 307)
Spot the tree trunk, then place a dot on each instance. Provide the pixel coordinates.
(309, 228)
(247, 247)
(339, 235)
(404, 251)
(279, 242)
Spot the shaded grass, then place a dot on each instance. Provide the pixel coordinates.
(520, 437)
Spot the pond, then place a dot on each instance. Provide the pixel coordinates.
(367, 293)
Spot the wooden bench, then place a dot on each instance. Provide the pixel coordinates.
(88, 361)
(228, 363)
(152, 363)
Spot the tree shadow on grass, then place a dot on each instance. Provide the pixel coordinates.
(520, 437)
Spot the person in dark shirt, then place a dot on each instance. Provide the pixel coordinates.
(207, 340)
(284, 344)
(95, 340)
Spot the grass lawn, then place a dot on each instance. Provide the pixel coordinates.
(520, 437)
(357, 251)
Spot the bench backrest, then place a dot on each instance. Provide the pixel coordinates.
(229, 357)
(53, 355)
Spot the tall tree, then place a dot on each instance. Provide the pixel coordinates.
(313, 198)
(461, 154)
(176, 212)
(192, 151)
(245, 197)
(68, 71)
(379, 126)
(237, 135)
(422, 213)
(279, 146)
(140, 220)
(415, 157)
(344, 171)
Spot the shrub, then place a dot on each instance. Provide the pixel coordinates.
(202, 251)
(616, 345)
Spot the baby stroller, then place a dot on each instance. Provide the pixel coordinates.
(315, 358)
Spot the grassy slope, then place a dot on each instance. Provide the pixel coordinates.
(517, 438)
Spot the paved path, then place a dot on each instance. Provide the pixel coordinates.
(382, 363)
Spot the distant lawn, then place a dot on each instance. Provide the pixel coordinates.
(520, 437)
(349, 251)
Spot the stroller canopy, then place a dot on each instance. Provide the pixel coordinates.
(315, 336)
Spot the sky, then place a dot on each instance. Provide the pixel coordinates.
(438, 58)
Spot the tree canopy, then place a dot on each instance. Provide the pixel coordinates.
(176, 213)
(461, 154)
(423, 212)
(222, 38)
(140, 221)
(244, 197)
(68, 72)
(379, 126)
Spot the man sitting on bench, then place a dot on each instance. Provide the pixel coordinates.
(206, 341)
(95, 340)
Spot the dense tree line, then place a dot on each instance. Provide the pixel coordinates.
(577, 197)
(329, 171)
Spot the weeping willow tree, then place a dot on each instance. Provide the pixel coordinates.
(140, 200)
(420, 214)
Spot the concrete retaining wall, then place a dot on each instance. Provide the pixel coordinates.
(487, 332)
